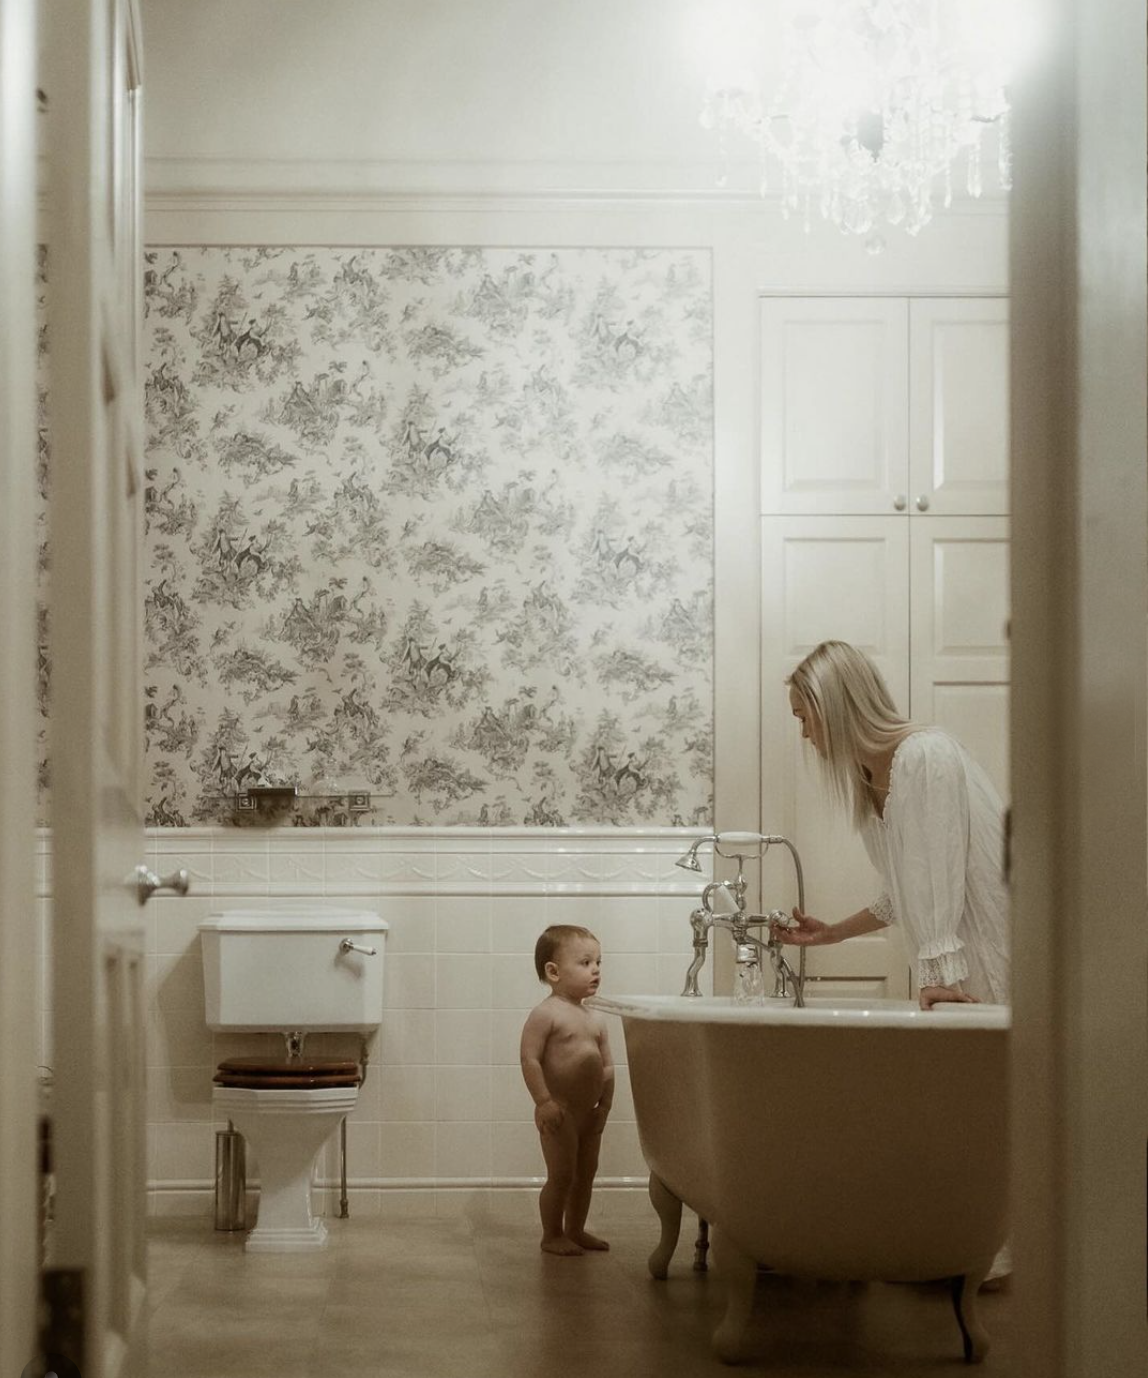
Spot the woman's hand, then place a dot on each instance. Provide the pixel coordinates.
(810, 932)
(941, 995)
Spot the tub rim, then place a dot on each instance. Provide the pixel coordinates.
(820, 1012)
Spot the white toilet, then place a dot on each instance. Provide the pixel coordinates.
(290, 973)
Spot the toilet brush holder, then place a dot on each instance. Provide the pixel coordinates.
(230, 1180)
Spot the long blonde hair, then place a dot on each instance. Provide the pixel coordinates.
(856, 716)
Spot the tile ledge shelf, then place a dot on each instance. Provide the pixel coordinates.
(246, 835)
(414, 889)
(384, 832)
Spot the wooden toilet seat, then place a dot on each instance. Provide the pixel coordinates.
(283, 1073)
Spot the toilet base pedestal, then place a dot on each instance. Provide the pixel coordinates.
(285, 1130)
(287, 1239)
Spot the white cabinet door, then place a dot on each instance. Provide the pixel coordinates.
(958, 406)
(834, 400)
(876, 405)
(844, 578)
(959, 672)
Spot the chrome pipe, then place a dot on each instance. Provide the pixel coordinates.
(700, 925)
(344, 1208)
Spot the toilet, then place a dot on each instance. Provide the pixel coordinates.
(290, 973)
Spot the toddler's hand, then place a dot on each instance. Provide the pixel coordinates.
(598, 1118)
(548, 1117)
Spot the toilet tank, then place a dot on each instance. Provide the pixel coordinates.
(268, 969)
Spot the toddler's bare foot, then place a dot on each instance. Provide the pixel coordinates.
(589, 1241)
(560, 1245)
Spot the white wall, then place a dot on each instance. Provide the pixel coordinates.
(509, 123)
(593, 92)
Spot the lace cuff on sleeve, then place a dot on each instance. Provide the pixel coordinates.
(946, 969)
(882, 910)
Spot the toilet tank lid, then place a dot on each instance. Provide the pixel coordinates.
(294, 921)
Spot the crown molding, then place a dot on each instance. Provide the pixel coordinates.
(361, 185)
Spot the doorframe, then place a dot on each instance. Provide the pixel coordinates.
(1080, 602)
(19, 937)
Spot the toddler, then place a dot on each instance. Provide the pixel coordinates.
(569, 1072)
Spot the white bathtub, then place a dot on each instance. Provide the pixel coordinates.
(847, 1140)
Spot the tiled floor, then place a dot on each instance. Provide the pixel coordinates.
(474, 1297)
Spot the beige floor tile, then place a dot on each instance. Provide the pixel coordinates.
(452, 1297)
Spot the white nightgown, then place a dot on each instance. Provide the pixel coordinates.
(940, 850)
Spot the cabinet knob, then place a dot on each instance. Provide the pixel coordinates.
(923, 503)
(900, 502)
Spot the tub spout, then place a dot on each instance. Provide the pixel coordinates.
(784, 974)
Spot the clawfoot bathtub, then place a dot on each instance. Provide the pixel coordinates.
(847, 1140)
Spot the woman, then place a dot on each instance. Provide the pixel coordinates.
(930, 820)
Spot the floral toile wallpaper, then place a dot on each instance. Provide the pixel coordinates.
(434, 525)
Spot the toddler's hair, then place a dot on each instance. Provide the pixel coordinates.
(551, 940)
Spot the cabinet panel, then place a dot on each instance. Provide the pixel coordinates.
(959, 405)
(977, 715)
(834, 422)
(846, 579)
(959, 640)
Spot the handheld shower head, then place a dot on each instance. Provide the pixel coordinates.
(690, 861)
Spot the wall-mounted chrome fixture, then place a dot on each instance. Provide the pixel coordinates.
(270, 797)
(314, 806)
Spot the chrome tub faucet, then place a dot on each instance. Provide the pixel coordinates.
(732, 915)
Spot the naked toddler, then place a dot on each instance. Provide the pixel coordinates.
(569, 1073)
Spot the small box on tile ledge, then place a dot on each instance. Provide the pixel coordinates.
(330, 803)
(266, 803)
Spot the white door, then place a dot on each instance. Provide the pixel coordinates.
(96, 1284)
(843, 578)
(19, 939)
(958, 405)
(959, 671)
(834, 405)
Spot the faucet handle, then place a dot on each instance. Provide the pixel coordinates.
(720, 889)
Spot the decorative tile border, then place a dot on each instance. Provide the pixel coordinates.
(416, 861)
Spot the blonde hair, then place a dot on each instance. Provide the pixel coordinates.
(550, 943)
(856, 716)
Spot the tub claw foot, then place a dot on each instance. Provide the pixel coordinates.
(669, 1210)
(963, 1290)
(738, 1274)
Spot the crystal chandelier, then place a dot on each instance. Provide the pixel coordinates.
(879, 102)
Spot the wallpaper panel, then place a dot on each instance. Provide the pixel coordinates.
(434, 525)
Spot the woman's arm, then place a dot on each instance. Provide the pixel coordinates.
(811, 932)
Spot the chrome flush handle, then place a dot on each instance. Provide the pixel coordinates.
(348, 946)
(147, 883)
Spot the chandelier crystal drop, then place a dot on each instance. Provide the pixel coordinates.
(879, 102)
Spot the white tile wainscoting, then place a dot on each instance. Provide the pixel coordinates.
(444, 1122)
